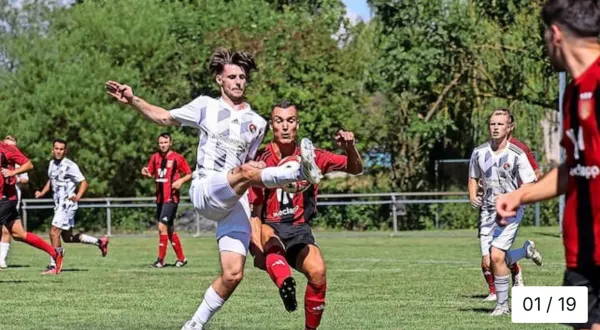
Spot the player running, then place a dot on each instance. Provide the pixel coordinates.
(10, 156)
(501, 167)
(571, 36)
(515, 269)
(171, 171)
(22, 179)
(285, 235)
(230, 133)
(63, 177)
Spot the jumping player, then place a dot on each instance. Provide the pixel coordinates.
(230, 133)
(572, 33)
(63, 177)
(171, 171)
(22, 179)
(501, 167)
(285, 235)
(10, 156)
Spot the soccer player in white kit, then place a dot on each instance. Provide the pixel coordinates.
(22, 179)
(230, 133)
(501, 167)
(63, 177)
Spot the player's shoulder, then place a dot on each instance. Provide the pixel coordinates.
(320, 152)
(69, 163)
(519, 150)
(263, 154)
(519, 144)
(7, 148)
(258, 120)
(481, 147)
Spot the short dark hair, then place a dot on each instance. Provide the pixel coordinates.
(223, 56)
(284, 104)
(165, 135)
(59, 141)
(580, 17)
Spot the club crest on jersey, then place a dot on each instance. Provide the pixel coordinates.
(506, 166)
(252, 128)
(169, 163)
(585, 109)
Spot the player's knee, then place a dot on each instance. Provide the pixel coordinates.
(497, 256)
(233, 277)
(317, 274)
(18, 235)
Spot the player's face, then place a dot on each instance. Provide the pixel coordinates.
(554, 39)
(285, 124)
(59, 150)
(232, 81)
(164, 144)
(499, 126)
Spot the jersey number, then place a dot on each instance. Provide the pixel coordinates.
(577, 141)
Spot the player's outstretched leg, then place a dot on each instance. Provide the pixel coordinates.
(18, 232)
(4, 247)
(101, 243)
(310, 262)
(177, 247)
(528, 251)
(251, 174)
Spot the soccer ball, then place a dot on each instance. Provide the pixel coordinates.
(298, 186)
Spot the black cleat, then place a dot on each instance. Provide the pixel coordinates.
(288, 294)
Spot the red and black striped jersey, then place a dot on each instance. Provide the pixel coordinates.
(581, 140)
(9, 157)
(282, 207)
(166, 170)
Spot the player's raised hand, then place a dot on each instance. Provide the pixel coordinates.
(508, 204)
(344, 139)
(122, 93)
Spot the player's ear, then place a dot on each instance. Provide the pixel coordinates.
(219, 79)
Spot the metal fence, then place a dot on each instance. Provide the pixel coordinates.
(397, 202)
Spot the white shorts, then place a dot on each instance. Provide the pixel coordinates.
(504, 236)
(214, 199)
(486, 244)
(64, 218)
(234, 242)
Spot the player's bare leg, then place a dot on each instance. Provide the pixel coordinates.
(501, 278)
(17, 231)
(310, 262)
(256, 174)
(278, 268)
(232, 272)
(4, 247)
(489, 277)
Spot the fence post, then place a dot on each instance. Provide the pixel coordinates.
(437, 216)
(537, 214)
(108, 218)
(24, 209)
(394, 215)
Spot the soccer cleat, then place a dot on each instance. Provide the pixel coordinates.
(51, 270)
(158, 264)
(58, 260)
(517, 278)
(500, 310)
(103, 246)
(3, 265)
(310, 170)
(532, 253)
(181, 263)
(490, 297)
(192, 325)
(288, 294)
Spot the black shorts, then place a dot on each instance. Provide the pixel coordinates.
(294, 239)
(166, 213)
(589, 277)
(9, 211)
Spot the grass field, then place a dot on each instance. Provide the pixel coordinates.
(418, 280)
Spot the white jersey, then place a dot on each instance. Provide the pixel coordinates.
(64, 177)
(500, 173)
(228, 137)
(21, 177)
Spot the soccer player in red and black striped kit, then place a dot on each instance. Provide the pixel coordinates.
(572, 36)
(281, 220)
(9, 211)
(171, 171)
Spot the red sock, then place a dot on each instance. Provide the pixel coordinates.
(489, 278)
(37, 242)
(277, 266)
(162, 247)
(314, 304)
(515, 269)
(176, 244)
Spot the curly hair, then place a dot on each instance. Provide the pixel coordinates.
(223, 56)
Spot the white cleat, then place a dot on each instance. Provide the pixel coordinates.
(3, 265)
(532, 253)
(310, 170)
(500, 310)
(490, 297)
(192, 325)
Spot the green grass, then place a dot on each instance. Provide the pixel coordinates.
(419, 280)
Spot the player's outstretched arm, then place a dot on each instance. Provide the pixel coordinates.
(346, 141)
(44, 190)
(27, 166)
(124, 94)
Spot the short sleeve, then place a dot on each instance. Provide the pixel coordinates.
(329, 162)
(75, 173)
(474, 170)
(15, 155)
(191, 114)
(150, 166)
(184, 166)
(526, 172)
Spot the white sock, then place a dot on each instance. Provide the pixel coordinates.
(501, 283)
(85, 239)
(274, 177)
(211, 304)
(4, 251)
(52, 262)
(513, 256)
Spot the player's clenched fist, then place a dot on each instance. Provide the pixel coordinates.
(344, 139)
(122, 93)
(507, 205)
